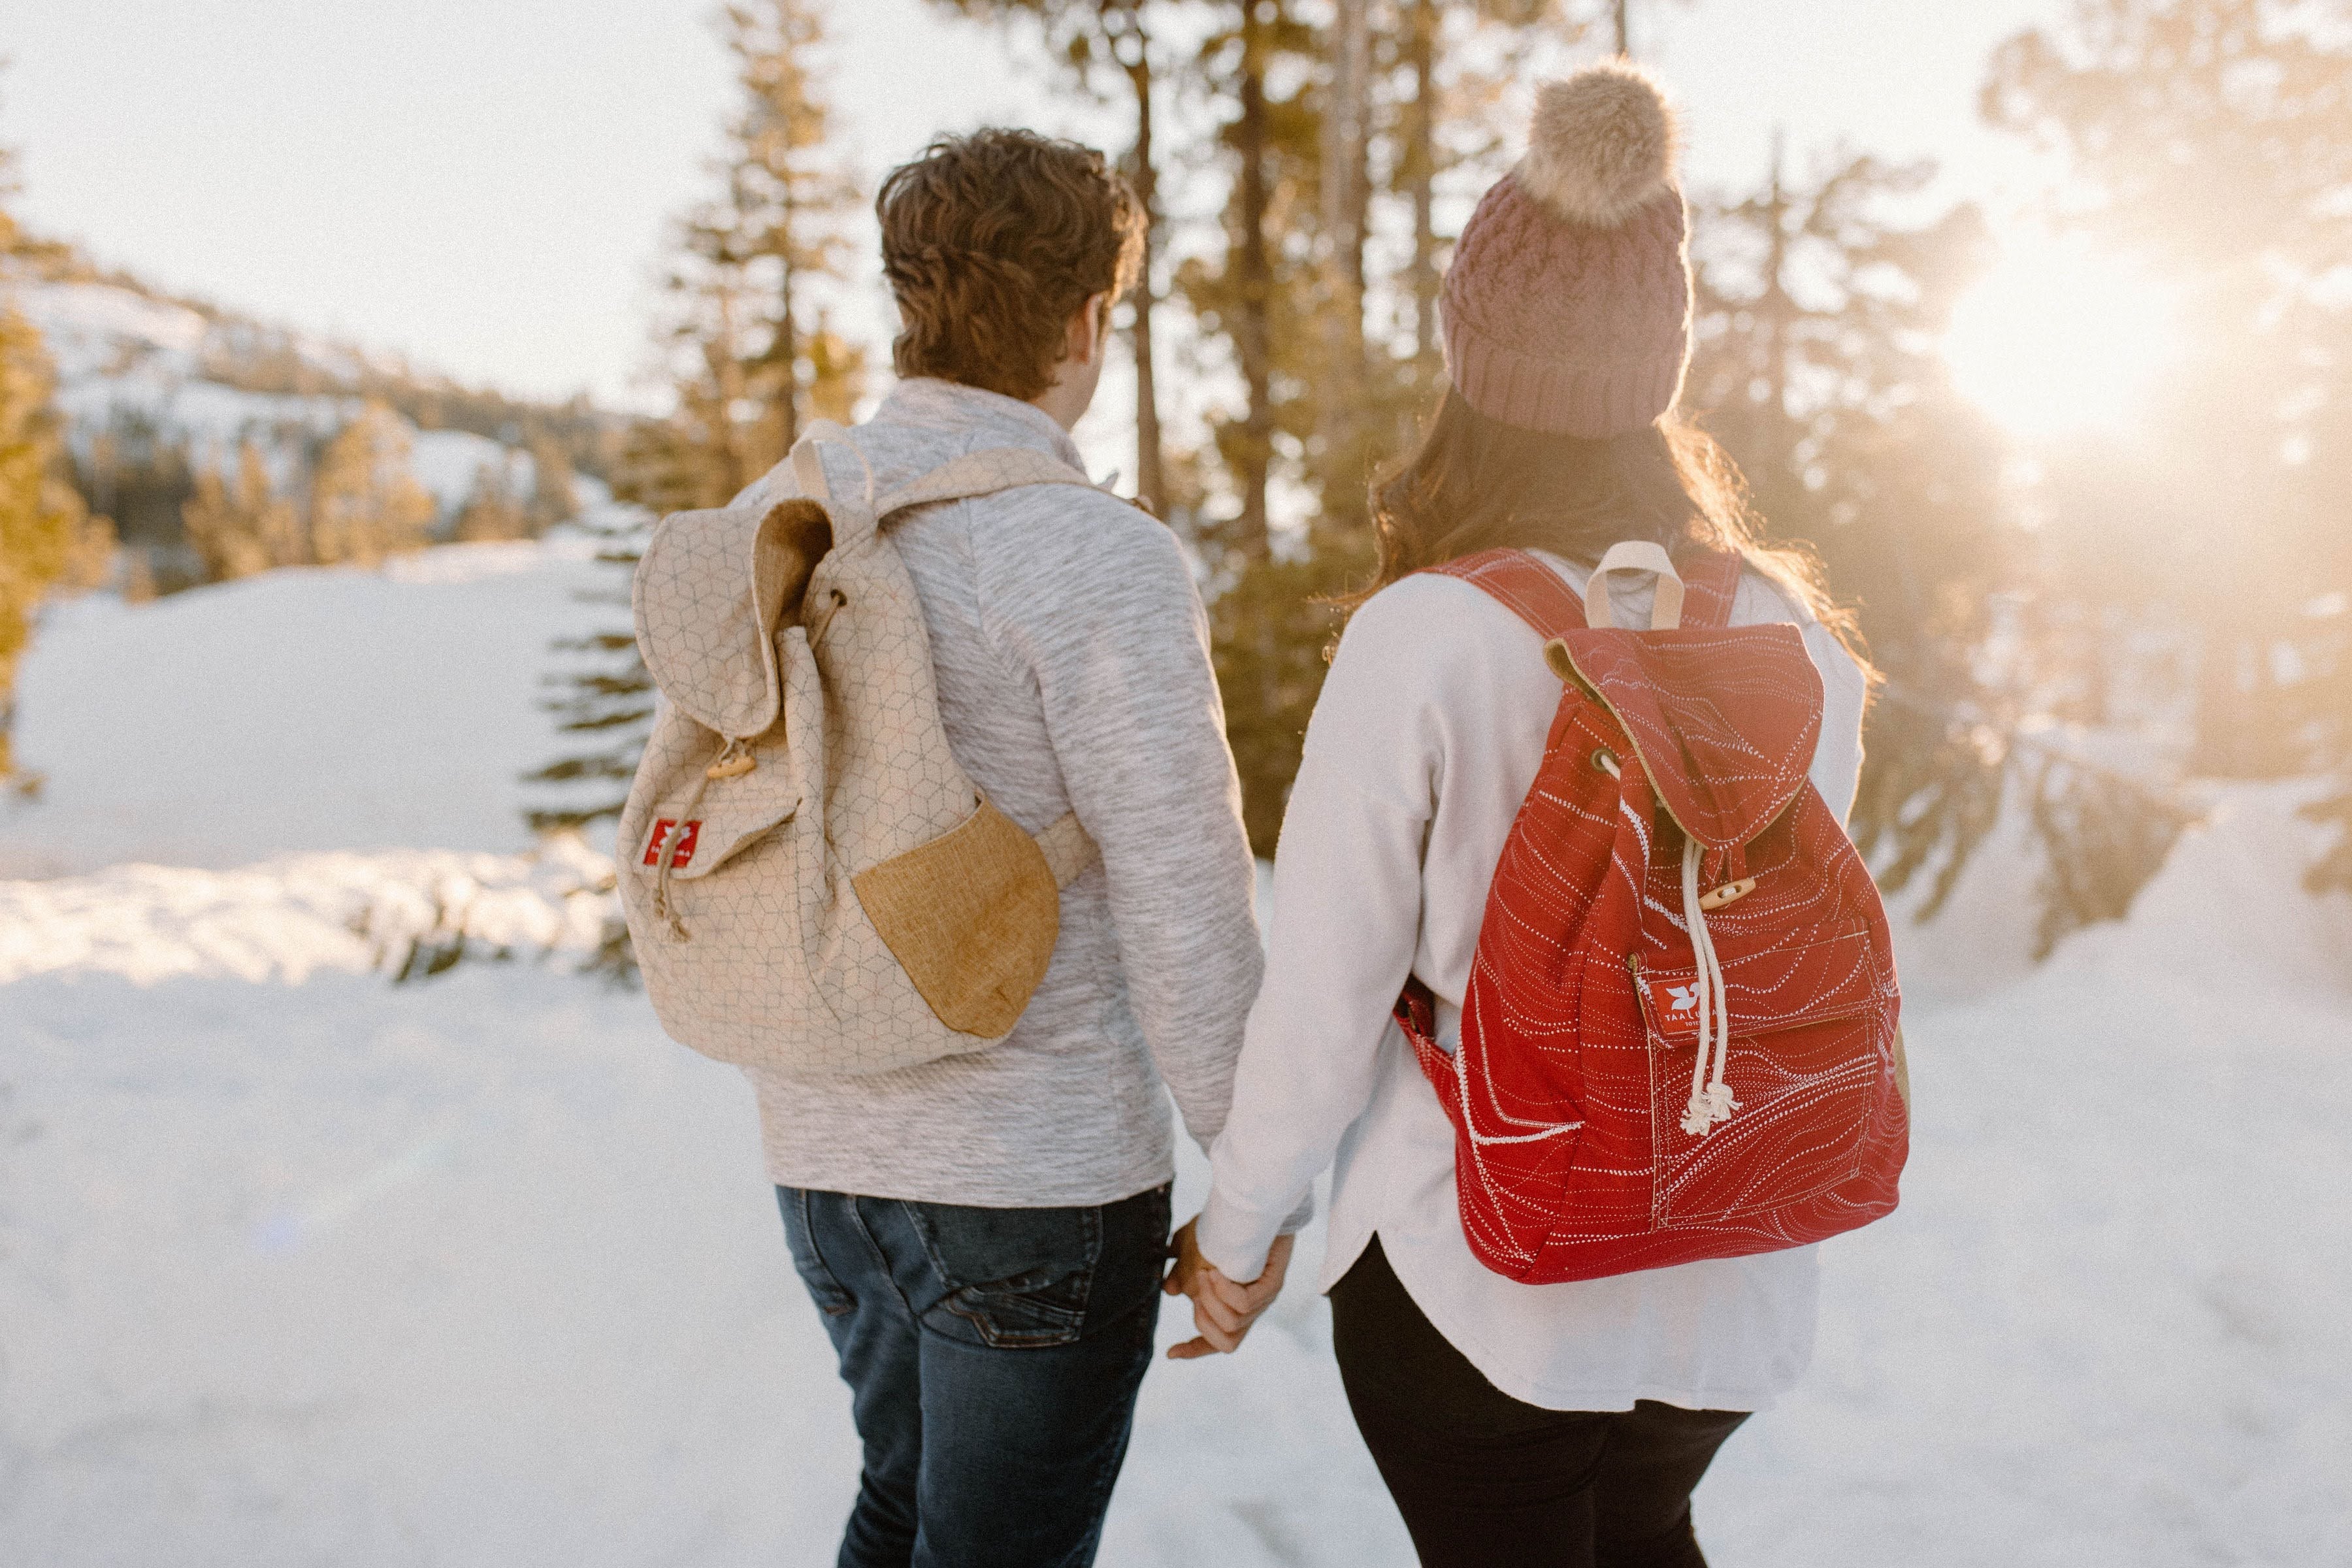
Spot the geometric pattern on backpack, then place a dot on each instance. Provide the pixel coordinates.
(1680, 1035)
(813, 885)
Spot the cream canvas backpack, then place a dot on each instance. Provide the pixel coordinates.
(812, 883)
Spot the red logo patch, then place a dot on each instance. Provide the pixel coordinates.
(682, 854)
(1674, 1002)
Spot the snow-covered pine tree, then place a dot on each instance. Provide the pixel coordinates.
(749, 354)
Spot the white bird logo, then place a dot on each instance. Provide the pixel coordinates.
(1685, 998)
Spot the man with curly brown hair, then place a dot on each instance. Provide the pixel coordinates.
(986, 1234)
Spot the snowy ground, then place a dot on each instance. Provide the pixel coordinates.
(298, 1266)
(321, 708)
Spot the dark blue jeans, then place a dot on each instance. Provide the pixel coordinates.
(992, 1357)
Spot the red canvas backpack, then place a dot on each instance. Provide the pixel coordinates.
(1679, 1037)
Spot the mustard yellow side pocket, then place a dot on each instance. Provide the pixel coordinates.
(972, 917)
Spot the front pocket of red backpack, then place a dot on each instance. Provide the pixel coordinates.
(1803, 1070)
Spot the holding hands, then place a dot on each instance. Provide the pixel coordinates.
(1223, 1308)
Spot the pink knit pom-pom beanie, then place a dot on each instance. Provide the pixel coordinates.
(1568, 306)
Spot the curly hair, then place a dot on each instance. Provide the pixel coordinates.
(992, 242)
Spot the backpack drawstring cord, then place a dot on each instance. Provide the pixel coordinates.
(1710, 1102)
(667, 853)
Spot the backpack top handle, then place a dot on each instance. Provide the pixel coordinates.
(1636, 555)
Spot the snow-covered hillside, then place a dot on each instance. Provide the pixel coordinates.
(130, 361)
(297, 1265)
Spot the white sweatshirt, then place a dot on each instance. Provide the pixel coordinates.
(1422, 747)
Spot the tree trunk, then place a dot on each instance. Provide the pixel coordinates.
(1151, 453)
(1254, 336)
(787, 351)
(1345, 179)
(1419, 177)
(723, 357)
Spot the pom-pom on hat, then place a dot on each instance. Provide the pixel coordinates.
(1568, 305)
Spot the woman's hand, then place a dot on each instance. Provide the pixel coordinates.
(1223, 1308)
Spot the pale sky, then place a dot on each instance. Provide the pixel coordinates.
(483, 185)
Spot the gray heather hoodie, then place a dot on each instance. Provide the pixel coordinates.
(1073, 664)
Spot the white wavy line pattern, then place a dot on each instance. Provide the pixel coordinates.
(1568, 1088)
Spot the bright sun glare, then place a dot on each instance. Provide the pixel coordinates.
(2058, 338)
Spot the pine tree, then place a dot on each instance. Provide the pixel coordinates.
(751, 354)
(46, 536)
(1269, 629)
(794, 197)
(364, 503)
(493, 511)
(1091, 38)
(1346, 399)
(553, 500)
(743, 357)
(1329, 121)
(241, 527)
(45, 531)
(1397, 101)
(1836, 403)
(2226, 511)
(1444, 117)
(140, 477)
(603, 699)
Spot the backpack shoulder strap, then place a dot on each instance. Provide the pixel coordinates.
(1523, 585)
(1710, 586)
(981, 473)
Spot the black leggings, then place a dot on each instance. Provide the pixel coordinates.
(1482, 1478)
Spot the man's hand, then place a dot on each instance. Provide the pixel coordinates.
(1223, 1308)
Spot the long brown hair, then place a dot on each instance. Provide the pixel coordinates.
(1474, 483)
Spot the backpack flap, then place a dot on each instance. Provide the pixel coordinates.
(707, 827)
(710, 592)
(1724, 721)
(710, 811)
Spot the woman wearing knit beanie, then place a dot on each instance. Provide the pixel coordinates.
(1515, 1424)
